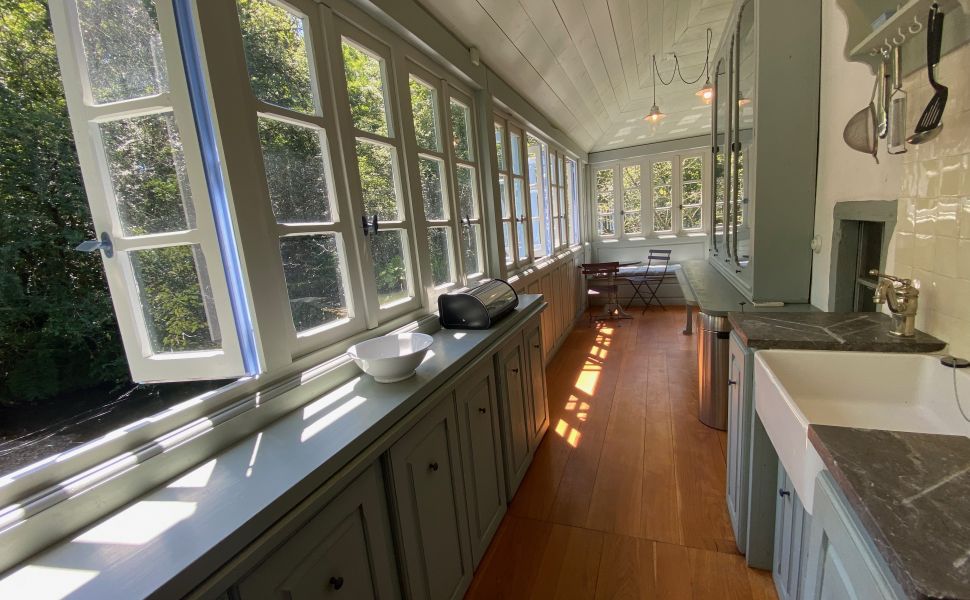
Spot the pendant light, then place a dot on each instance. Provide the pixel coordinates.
(655, 115)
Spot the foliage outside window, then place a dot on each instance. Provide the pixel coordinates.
(605, 202)
(691, 193)
(632, 200)
(662, 183)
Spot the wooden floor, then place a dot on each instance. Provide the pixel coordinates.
(625, 498)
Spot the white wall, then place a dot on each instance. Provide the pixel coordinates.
(932, 182)
(843, 173)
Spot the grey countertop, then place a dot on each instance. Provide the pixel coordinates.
(865, 332)
(911, 491)
(714, 295)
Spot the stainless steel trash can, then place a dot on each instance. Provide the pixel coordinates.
(713, 350)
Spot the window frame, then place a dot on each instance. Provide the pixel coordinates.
(146, 364)
(468, 224)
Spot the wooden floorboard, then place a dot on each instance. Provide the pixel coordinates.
(625, 496)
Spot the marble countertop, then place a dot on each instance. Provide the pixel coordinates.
(911, 491)
(860, 332)
(716, 296)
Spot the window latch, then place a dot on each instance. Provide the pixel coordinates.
(466, 221)
(368, 227)
(103, 244)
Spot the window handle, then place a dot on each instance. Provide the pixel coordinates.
(369, 227)
(466, 221)
(375, 225)
(102, 244)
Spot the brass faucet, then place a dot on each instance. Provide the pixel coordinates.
(902, 296)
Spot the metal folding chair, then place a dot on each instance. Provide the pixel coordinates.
(652, 279)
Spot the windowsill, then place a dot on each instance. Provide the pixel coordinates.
(170, 540)
(652, 240)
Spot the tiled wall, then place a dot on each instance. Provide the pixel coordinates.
(932, 239)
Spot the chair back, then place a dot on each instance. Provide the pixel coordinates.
(658, 257)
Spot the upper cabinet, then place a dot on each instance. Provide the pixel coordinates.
(766, 98)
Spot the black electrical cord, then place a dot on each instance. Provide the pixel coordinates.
(677, 71)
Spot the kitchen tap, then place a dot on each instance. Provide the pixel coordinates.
(902, 295)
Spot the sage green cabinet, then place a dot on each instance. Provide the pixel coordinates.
(345, 551)
(537, 383)
(842, 562)
(738, 442)
(763, 148)
(481, 456)
(792, 523)
(516, 411)
(428, 488)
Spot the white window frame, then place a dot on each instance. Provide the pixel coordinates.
(619, 194)
(469, 225)
(594, 198)
(680, 205)
(369, 44)
(86, 115)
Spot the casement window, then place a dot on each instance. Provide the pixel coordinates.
(538, 160)
(605, 181)
(433, 177)
(461, 129)
(145, 181)
(659, 196)
(505, 193)
(520, 187)
(572, 192)
(557, 189)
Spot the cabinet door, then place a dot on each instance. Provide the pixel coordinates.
(481, 457)
(841, 562)
(516, 414)
(343, 552)
(425, 467)
(537, 382)
(792, 524)
(737, 463)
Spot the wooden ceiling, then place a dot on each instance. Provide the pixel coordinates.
(586, 63)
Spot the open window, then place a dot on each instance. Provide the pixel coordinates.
(145, 180)
(461, 129)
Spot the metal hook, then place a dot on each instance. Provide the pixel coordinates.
(916, 26)
(902, 37)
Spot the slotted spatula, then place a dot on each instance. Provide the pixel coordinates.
(930, 123)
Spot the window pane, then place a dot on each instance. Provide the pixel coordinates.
(522, 240)
(574, 202)
(122, 48)
(390, 266)
(691, 169)
(378, 180)
(516, 149)
(662, 173)
(276, 54)
(692, 193)
(631, 176)
(661, 220)
(460, 132)
(509, 249)
(471, 246)
(365, 88)
(604, 180)
(605, 225)
(430, 169)
(661, 197)
(503, 192)
(439, 246)
(691, 217)
(519, 186)
(311, 265)
(147, 168)
(467, 193)
(173, 286)
(500, 146)
(631, 211)
(295, 172)
(424, 106)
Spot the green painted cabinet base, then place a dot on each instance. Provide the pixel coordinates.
(792, 525)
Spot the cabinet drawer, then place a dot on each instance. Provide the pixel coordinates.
(425, 467)
(481, 456)
(345, 551)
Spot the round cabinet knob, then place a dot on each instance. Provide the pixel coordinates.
(783, 493)
(482, 410)
(536, 346)
(336, 582)
(433, 466)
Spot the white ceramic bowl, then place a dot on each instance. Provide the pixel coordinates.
(393, 357)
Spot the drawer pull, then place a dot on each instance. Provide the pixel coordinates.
(482, 410)
(336, 582)
(783, 493)
(536, 346)
(433, 466)
(732, 382)
(516, 371)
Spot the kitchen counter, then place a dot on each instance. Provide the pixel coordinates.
(860, 332)
(714, 295)
(911, 492)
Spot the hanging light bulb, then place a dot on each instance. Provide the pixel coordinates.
(654, 115)
(706, 93)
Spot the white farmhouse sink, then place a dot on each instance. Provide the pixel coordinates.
(897, 392)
